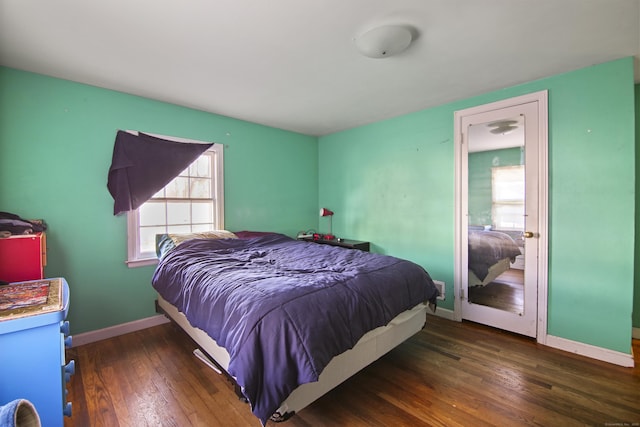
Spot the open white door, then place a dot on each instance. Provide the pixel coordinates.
(501, 219)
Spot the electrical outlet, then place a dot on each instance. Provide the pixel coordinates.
(441, 288)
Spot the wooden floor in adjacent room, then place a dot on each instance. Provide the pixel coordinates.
(449, 374)
(505, 292)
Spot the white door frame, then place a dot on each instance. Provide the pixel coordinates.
(542, 99)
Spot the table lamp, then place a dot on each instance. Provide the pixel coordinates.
(329, 213)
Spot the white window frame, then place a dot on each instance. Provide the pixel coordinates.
(497, 201)
(137, 259)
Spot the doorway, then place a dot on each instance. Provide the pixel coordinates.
(501, 213)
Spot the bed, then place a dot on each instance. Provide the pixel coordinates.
(289, 320)
(490, 254)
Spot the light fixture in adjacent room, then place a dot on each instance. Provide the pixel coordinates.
(329, 213)
(503, 127)
(384, 41)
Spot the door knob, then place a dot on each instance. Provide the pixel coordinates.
(528, 234)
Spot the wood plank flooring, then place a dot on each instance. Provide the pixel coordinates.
(449, 374)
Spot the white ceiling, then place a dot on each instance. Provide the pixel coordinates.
(292, 64)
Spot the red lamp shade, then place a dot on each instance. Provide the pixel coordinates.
(329, 213)
(325, 212)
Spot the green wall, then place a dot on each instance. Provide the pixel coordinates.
(392, 183)
(56, 142)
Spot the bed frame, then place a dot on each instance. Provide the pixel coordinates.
(368, 349)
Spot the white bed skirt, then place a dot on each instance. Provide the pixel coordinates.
(368, 349)
(494, 271)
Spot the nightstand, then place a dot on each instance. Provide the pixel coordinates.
(344, 243)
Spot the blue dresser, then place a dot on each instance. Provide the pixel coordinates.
(32, 353)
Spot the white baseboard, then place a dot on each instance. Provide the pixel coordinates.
(635, 333)
(114, 331)
(442, 312)
(599, 353)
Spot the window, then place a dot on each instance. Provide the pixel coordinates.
(507, 189)
(192, 202)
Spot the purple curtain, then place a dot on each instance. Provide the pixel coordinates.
(142, 165)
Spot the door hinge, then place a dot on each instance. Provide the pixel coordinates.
(461, 293)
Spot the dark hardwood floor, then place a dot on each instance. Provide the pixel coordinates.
(449, 374)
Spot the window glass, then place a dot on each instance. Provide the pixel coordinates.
(202, 213)
(179, 229)
(201, 167)
(200, 188)
(152, 214)
(197, 228)
(178, 213)
(148, 238)
(178, 188)
(508, 197)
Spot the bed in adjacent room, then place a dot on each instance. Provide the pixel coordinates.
(289, 320)
(490, 254)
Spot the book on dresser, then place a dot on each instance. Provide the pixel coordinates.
(22, 299)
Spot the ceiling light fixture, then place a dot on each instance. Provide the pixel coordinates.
(385, 41)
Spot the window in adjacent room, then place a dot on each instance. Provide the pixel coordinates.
(192, 202)
(507, 185)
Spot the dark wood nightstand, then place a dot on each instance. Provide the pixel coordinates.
(345, 243)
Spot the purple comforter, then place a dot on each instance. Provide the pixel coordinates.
(284, 308)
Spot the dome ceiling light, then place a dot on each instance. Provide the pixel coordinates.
(384, 41)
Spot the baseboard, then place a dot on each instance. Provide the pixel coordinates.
(635, 333)
(599, 353)
(114, 331)
(442, 312)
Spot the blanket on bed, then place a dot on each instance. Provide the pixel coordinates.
(488, 247)
(284, 308)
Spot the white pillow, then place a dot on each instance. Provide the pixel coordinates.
(214, 234)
